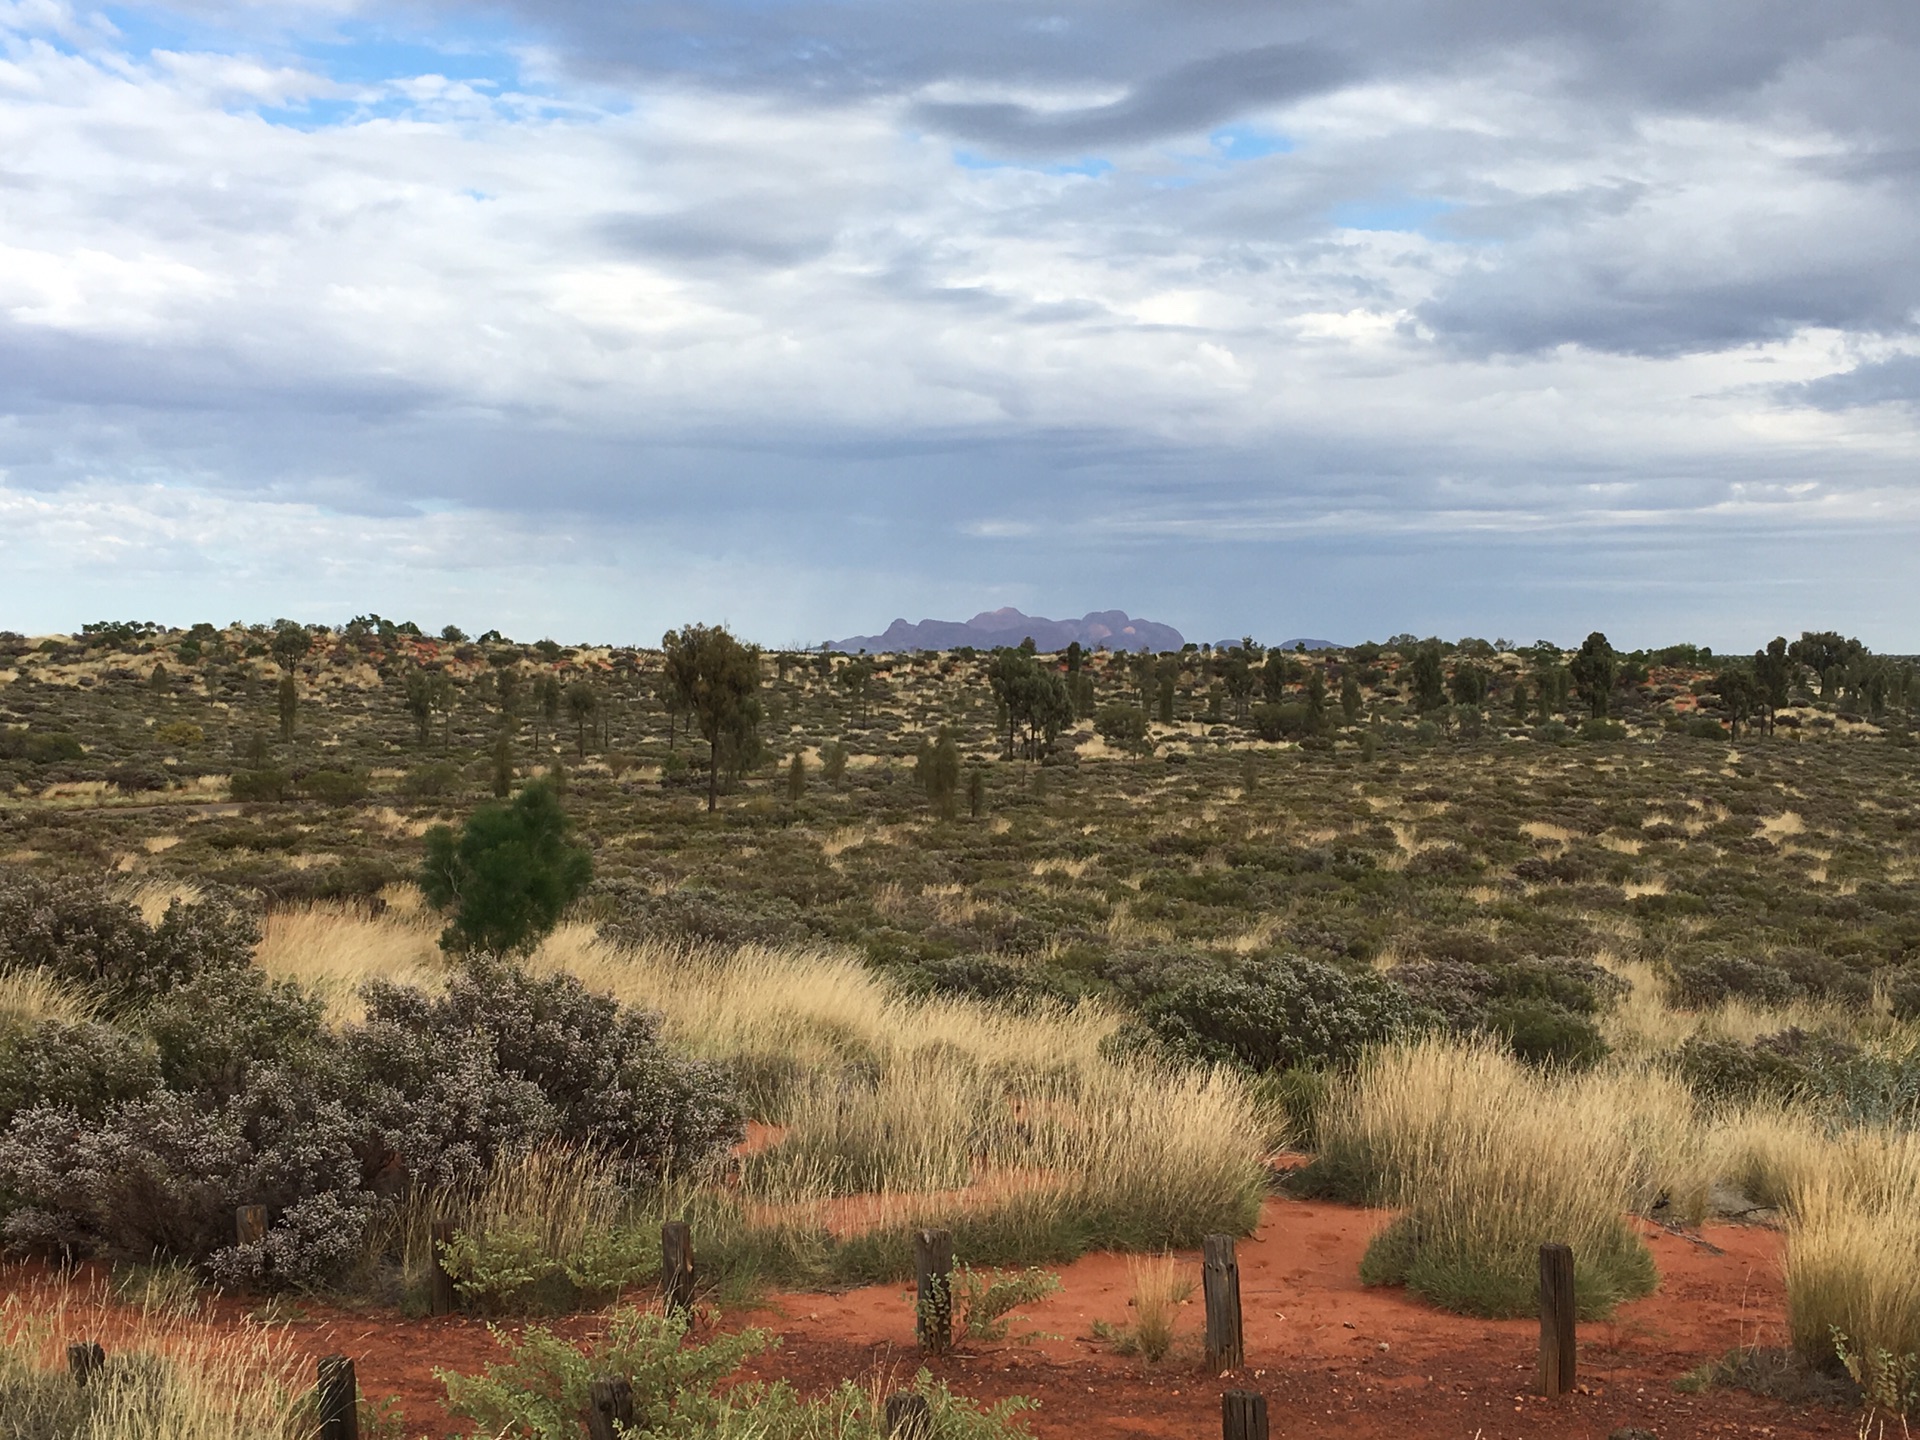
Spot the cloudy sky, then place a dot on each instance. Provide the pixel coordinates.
(589, 317)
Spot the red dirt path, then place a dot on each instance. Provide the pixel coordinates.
(1333, 1358)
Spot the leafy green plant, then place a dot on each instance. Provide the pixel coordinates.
(541, 1391)
(510, 1270)
(1890, 1382)
(985, 1298)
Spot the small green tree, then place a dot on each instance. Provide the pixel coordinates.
(1165, 698)
(550, 696)
(833, 762)
(1429, 678)
(1773, 674)
(1740, 696)
(290, 644)
(796, 778)
(289, 706)
(938, 771)
(419, 701)
(502, 766)
(1317, 698)
(507, 877)
(1122, 726)
(718, 680)
(976, 792)
(583, 703)
(1350, 699)
(1592, 672)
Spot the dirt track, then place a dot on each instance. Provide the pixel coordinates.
(1333, 1358)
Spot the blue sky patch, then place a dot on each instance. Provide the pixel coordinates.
(1239, 143)
(1405, 212)
(1089, 165)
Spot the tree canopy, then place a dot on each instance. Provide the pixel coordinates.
(716, 679)
(507, 876)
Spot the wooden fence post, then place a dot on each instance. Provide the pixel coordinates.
(1243, 1415)
(250, 1224)
(609, 1402)
(909, 1417)
(676, 1265)
(933, 1290)
(440, 1297)
(337, 1400)
(1556, 1320)
(1220, 1280)
(83, 1358)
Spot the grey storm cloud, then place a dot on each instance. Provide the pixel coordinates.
(1895, 381)
(1191, 97)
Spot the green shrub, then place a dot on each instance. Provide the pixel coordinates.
(1275, 1013)
(1903, 992)
(1545, 1033)
(430, 782)
(1724, 1070)
(1712, 979)
(81, 936)
(84, 1067)
(513, 1271)
(985, 1298)
(687, 1391)
(260, 786)
(334, 787)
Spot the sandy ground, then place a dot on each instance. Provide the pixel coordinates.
(1333, 1358)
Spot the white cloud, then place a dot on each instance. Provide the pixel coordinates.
(765, 324)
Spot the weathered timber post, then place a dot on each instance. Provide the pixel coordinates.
(933, 1290)
(84, 1358)
(440, 1293)
(909, 1417)
(676, 1265)
(1220, 1280)
(1556, 1320)
(1243, 1415)
(250, 1224)
(336, 1400)
(609, 1403)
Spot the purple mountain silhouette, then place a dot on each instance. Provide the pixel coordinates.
(1114, 629)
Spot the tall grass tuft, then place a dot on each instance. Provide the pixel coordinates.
(1853, 1260)
(28, 997)
(1487, 1160)
(1160, 1287)
(166, 1377)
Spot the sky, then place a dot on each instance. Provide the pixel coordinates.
(587, 318)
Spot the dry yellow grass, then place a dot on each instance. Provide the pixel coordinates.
(1160, 1287)
(176, 1378)
(30, 996)
(1852, 1264)
(331, 948)
(1487, 1159)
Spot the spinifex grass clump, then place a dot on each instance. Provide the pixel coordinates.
(1488, 1160)
(164, 1378)
(1011, 1129)
(1853, 1264)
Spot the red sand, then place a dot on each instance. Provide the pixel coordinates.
(1333, 1358)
